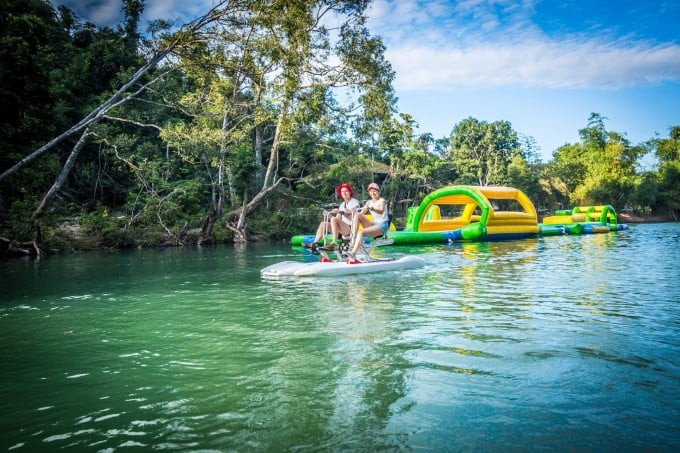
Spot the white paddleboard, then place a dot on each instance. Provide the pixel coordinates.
(282, 269)
(334, 268)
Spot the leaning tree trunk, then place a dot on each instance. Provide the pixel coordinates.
(258, 153)
(214, 213)
(59, 182)
(272, 166)
(238, 227)
(47, 199)
(236, 219)
(181, 37)
(259, 132)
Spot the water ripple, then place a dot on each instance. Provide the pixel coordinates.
(191, 350)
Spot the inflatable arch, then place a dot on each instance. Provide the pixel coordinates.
(478, 219)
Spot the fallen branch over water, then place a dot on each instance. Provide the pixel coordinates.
(12, 248)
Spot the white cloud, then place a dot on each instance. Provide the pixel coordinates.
(108, 12)
(182, 10)
(441, 44)
(534, 64)
(436, 45)
(105, 12)
(99, 12)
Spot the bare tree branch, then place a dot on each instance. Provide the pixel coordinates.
(178, 39)
(136, 123)
(63, 175)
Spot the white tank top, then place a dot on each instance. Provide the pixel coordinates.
(378, 218)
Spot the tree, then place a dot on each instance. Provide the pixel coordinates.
(601, 168)
(668, 149)
(568, 164)
(127, 91)
(481, 151)
(521, 175)
(272, 69)
(668, 153)
(32, 41)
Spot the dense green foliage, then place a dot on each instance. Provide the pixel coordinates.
(240, 132)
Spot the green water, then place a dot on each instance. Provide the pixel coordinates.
(557, 343)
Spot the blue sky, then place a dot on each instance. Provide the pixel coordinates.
(542, 65)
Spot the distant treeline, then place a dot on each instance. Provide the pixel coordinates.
(230, 128)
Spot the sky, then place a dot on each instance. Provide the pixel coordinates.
(542, 65)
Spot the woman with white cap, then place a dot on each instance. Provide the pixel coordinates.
(378, 208)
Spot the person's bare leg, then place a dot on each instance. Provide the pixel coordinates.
(359, 235)
(319, 231)
(357, 240)
(370, 231)
(335, 228)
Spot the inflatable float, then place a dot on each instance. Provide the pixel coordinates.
(487, 213)
(339, 268)
(582, 220)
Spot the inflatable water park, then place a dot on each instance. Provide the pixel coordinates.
(458, 214)
(488, 213)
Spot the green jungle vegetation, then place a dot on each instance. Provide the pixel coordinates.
(239, 125)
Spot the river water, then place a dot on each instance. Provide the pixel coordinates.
(556, 343)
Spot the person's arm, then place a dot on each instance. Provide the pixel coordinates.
(337, 210)
(379, 207)
(350, 208)
(366, 208)
(344, 210)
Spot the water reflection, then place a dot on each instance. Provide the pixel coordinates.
(367, 374)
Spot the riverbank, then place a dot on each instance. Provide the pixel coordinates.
(646, 218)
(71, 237)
